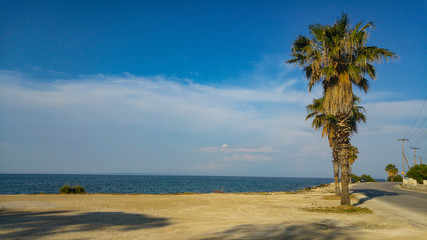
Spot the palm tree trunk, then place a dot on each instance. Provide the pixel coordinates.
(345, 195)
(343, 145)
(336, 177)
(335, 164)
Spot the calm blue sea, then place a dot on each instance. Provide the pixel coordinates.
(50, 183)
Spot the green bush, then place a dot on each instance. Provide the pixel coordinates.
(397, 178)
(418, 172)
(368, 178)
(355, 177)
(76, 189)
(65, 189)
(79, 189)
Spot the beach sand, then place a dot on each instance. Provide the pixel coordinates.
(191, 216)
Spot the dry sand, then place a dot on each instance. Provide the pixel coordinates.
(190, 216)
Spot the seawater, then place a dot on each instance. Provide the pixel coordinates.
(50, 183)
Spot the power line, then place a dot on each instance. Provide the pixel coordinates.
(418, 139)
(419, 131)
(417, 117)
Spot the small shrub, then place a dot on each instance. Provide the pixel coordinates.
(79, 189)
(66, 189)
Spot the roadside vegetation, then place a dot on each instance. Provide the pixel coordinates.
(397, 178)
(391, 170)
(363, 178)
(418, 172)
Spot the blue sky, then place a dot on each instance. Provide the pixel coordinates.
(193, 87)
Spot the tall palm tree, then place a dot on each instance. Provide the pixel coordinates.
(336, 57)
(328, 125)
(391, 169)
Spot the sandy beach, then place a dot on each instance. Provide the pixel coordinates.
(191, 216)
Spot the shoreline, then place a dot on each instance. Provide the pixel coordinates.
(278, 215)
(20, 184)
(320, 187)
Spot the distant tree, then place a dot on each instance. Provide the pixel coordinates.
(355, 177)
(368, 178)
(391, 169)
(418, 172)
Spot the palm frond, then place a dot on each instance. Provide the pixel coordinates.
(330, 71)
(317, 30)
(375, 54)
(362, 83)
(337, 57)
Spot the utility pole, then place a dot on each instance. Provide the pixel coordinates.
(415, 150)
(403, 154)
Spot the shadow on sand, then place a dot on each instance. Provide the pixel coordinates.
(30, 225)
(322, 230)
(370, 194)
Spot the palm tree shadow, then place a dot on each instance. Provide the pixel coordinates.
(322, 230)
(370, 194)
(25, 224)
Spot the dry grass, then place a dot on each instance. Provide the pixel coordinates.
(333, 197)
(256, 193)
(340, 209)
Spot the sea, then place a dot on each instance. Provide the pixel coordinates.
(151, 184)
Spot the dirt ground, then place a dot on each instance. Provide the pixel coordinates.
(190, 216)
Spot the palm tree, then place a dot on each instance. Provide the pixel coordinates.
(336, 57)
(353, 155)
(391, 169)
(328, 125)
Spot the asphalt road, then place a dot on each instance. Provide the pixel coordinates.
(390, 199)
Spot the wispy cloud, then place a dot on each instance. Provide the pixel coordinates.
(247, 158)
(210, 167)
(228, 149)
(160, 124)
